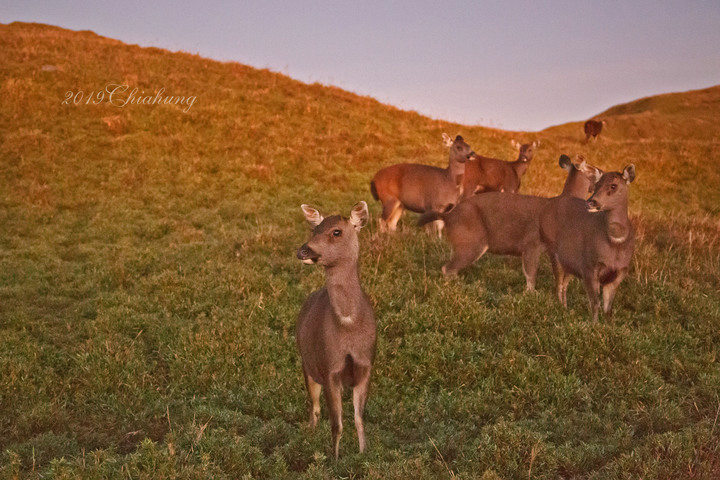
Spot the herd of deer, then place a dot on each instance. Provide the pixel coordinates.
(475, 199)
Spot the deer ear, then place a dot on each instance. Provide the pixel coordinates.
(629, 173)
(536, 143)
(582, 165)
(312, 216)
(598, 174)
(565, 162)
(447, 141)
(514, 144)
(359, 215)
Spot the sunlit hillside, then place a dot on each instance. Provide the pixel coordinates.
(149, 286)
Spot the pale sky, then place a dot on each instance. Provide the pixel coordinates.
(515, 64)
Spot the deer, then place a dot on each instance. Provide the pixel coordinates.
(505, 223)
(420, 188)
(336, 331)
(592, 128)
(488, 174)
(592, 240)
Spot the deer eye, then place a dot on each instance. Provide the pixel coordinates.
(337, 232)
(613, 186)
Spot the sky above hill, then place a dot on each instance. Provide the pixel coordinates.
(514, 65)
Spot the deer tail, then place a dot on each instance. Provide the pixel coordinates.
(432, 216)
(373, 190)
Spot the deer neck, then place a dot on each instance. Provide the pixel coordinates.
(456, 174)
(618, 224)
(576, 185)
(346, 294)
(520, 168)
(455, 169)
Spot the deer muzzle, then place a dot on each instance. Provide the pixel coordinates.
(592, 205)
(307, 255)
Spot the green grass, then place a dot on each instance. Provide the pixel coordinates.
(149, 286)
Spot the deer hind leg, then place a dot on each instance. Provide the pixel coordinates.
(609, 290)
(464, 255)
(361, 373)
(393, 215)
(435, 228)
(439, 225)
(564, 281)
(314, 390)
(530, 263)
(333, 398)
(392, 209)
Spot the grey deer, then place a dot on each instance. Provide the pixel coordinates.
(592, 240)
(506, 223)
(336, 332)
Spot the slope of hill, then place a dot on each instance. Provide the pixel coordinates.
(149, 289)
(674, 115)
(670, 117)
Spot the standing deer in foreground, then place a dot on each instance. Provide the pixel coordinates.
(506, 223)
(420, 188)
(592, 240)
(487, 174)
(336, 326)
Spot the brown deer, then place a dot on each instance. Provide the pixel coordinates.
(573, 188)
(420, 188)
(592, 128)
(505, 223)
(592, 240)
(336, 326)
(487, 174)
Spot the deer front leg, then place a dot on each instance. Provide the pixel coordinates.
(562, 279)
(313, 389)
(609, 290)
(333, 398)
(592, 285)
(361, 374)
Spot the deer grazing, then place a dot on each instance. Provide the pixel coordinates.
(487, 174)
(505, 223)
(592, 128)
(592, 240)
(336, 331)
(420, 188)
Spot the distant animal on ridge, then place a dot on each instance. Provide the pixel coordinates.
(593, 240)
(592, 128)
(488, 174)
(420, 188)
(336, 332)
(506, 223)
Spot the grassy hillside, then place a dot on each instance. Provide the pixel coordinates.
(149, 285)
